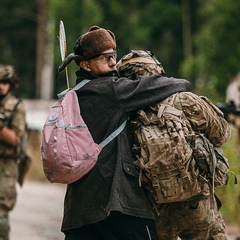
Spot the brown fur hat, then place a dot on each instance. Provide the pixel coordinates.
(94, 42)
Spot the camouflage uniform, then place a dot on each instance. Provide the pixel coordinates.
(9, 158)
(190, 220)
(195, 219)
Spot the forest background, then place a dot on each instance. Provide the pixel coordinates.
(193, 39)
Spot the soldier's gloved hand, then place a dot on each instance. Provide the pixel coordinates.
(3, 119)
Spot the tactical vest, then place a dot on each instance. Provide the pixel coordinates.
(7, 107)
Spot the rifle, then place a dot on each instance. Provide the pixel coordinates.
(229, 108)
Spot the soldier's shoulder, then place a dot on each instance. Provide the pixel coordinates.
(188, 95)
(13, 103)
(189, 98)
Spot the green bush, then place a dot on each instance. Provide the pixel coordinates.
(230, 194)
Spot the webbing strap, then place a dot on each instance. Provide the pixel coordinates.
(113, 135)
(156, 186)
(78, 86)
(81, 84)
(184, 175)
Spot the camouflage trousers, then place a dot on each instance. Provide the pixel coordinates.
(194, 220)
(8, 178)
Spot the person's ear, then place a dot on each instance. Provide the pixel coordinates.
(85, 66)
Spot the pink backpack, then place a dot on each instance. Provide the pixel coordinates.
(68, 149)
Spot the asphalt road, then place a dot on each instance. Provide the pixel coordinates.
(38, 213)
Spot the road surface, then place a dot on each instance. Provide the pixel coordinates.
(38, 213)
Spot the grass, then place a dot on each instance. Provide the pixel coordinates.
(230, 194)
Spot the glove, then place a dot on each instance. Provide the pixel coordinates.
(3, 119)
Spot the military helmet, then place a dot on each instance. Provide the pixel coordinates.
(7, 72)
(139, 63)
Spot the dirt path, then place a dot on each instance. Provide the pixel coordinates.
(38, 213)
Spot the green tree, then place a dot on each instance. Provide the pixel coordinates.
(153, 25)
(18, 40)
(217, 47)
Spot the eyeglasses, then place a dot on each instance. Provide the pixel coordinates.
(105, 57)
(5, 81)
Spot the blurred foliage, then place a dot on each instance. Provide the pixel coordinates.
(136, 24)
(18, 21)
(155, 25)
(230, 194)
(217, 49)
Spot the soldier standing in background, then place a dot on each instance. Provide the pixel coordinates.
(231, 108)
(12, 130)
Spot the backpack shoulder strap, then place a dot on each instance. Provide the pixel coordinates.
(113, 135)
(81, 84)
(78, 86)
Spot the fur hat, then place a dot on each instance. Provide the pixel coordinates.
(94, 42)
(90, 44)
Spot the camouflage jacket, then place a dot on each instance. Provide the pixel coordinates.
(203, 116)
(14, 110)
(168, 149)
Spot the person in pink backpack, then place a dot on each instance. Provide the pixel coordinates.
(108, 203)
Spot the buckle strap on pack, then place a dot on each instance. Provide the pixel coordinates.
(156, 185)
(184, 175)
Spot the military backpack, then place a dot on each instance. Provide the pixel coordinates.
(168, 150)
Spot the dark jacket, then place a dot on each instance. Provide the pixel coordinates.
(112, 185)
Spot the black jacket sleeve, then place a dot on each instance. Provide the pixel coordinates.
(135, 94)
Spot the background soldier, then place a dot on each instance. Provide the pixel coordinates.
(12, 130)
(231, 108)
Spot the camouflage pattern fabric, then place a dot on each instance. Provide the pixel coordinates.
(190, 220)
(212, 162)
(193, 219)
(8, 194)
(164, 146)
(212, 131)
(178, 219)
(9, 157)
(217, 229)
(15, 122)
(139, 63)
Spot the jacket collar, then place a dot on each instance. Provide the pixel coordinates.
(83, 74)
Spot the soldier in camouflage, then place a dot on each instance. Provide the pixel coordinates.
(12, 129)
(193, 219)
